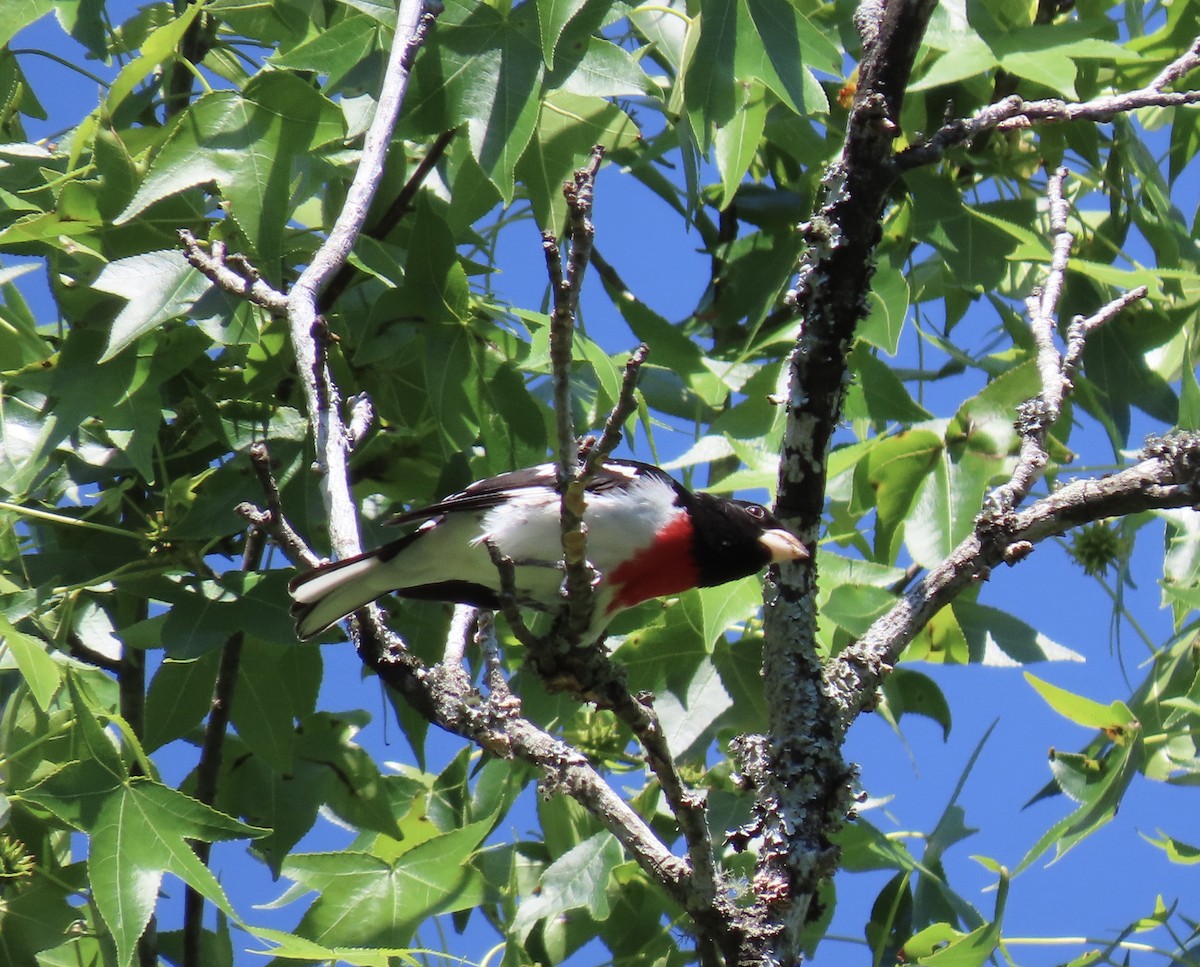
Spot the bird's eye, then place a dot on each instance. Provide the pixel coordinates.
(755, 511)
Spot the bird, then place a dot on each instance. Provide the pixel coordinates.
(648, 536)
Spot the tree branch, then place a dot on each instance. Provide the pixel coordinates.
(805, 793)
(399, 207)
(272, 521)
(1167, 477)
(580, 575)
(1015, 112)
(232, 273)
(208, 768)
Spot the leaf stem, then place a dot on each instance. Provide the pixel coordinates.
(70, 521)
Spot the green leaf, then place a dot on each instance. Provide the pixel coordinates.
(179, 697)
(1099, 785)
(877, 393)
(569, 125)
(941, 946)
(15, 15)
(486, 71)
(287, 946)
(366, 901)
(998, 638)
(604, 70)
(709, 81)
(686, 716)
(161, 45)
(576, 880)
(262, 711)
(969, 57)
(553, 16)
(157, 287)
(1048, 56)
(1177, 851)
(336, 51)
(791, 40)
(986, 419)
(737, 140)
(1113, 718)
(889, 300)
(247, 143)
(946, 506)
(855, 606)
(435, 284)
(142, 831)
(450, 380)
(894, 467)
(908, 692)
(41, 672)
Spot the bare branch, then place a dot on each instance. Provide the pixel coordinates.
(272, 521)
(362, 415)
(399, 207)
(462, 631)
(212, 749)
(1168, 478)
(580, 576)
(1036, 416)
(508, 597)
(807, 793)
(625, 406)
(1015, 112)
(307, 331)
(232, 273)
(1081, 328)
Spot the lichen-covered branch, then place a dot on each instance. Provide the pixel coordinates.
(803, 794)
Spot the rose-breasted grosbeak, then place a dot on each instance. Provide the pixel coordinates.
(647, 536)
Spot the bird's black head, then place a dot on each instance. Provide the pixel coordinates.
(734, 538)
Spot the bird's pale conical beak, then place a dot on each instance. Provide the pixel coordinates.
(783, 545)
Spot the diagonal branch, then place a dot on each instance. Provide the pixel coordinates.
(231, 272)
(1167, 477)
(308, 332)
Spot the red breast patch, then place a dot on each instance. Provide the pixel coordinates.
(665, 567)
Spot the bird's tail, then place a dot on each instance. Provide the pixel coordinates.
(325, 595)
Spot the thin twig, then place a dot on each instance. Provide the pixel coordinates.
(580, 576)
(625, 407)
(1015, 112)
(508, 597)
(1038, 415)
(239, 278)
(413, 22)
(1081, 328)
(272, 521)
(1168, 478)
(208, 767)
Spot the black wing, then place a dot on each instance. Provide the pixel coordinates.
(491, 492)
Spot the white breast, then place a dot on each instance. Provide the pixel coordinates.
(619, 523)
